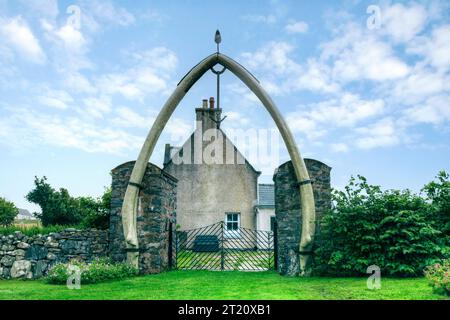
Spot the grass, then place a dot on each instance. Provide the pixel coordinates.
(32, 229)
(233, 260)
(176, 285)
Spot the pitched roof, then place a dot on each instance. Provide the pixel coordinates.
(227, 140)
(266, 195)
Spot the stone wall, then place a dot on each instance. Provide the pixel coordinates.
(288, 209)
(156, 211)
(31, 257)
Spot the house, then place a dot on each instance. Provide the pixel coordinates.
(24, 214)
(215, 181)
(265, 208)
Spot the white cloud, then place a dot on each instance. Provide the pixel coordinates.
(435, 110)
(273, 57)
(402, 22)
(178, 129)
(97, 14)
(297, 27)
(315, 76)
(420, 84)
(315, 120)
(19, 36)
(436, 48)
(149, 75)
(58, 99)
(35, 129)
(339, 147)
(383, 133)
(97, 107)
(282, 75)
(73, 39)
(127, 117)
(77, 82)
(358, 55)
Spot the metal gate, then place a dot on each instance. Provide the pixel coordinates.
(216, 248)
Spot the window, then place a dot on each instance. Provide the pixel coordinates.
(272, 223)
(232, 224)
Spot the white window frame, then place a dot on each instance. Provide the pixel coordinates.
(232, 233)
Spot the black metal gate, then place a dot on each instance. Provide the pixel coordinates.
(216, 248)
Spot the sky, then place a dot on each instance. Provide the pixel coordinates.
(363, 85)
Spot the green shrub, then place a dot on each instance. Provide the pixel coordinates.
(368, 226)
(438, 276)
(438, 192)
(59, 208)
(96, 211)
(99, 270)
(8, 212)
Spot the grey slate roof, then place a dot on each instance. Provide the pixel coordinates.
(266, 195)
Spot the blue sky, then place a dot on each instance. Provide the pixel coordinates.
(76, 100)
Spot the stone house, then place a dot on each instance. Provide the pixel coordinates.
(215, 181)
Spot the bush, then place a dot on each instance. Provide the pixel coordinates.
(59, 208)
(8, 212)
(96, 211)
(438, 276)
(99, 270)
(368, 226)
(438, 192)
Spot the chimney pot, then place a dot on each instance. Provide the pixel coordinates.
(211, 103)
(205, 104)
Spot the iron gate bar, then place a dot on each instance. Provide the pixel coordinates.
(190, 238)
(251, 250)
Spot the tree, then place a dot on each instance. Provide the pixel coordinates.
(58, 207)
(96, 211)
(438, 192)
(8, 212)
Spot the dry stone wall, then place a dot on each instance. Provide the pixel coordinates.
(30, 257)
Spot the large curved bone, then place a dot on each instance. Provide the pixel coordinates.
(129, 206)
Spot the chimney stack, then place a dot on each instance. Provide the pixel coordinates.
(205, 116)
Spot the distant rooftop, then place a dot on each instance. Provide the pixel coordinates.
(266, 195)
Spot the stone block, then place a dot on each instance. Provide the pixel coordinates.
(21, 269)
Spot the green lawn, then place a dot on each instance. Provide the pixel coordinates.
(222, 285)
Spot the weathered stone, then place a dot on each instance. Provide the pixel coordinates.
(36, 252)
(18, 235)
(21, 269)
(7, 261)
(23, 245)
(19, 253)
(39, 268)
(6, 273)
(51, 256)
(51, 244)
(7, 247)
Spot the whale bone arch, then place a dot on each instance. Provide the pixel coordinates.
(130, 202)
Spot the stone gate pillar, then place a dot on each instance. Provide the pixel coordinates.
(156, 210)
(288, 206)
